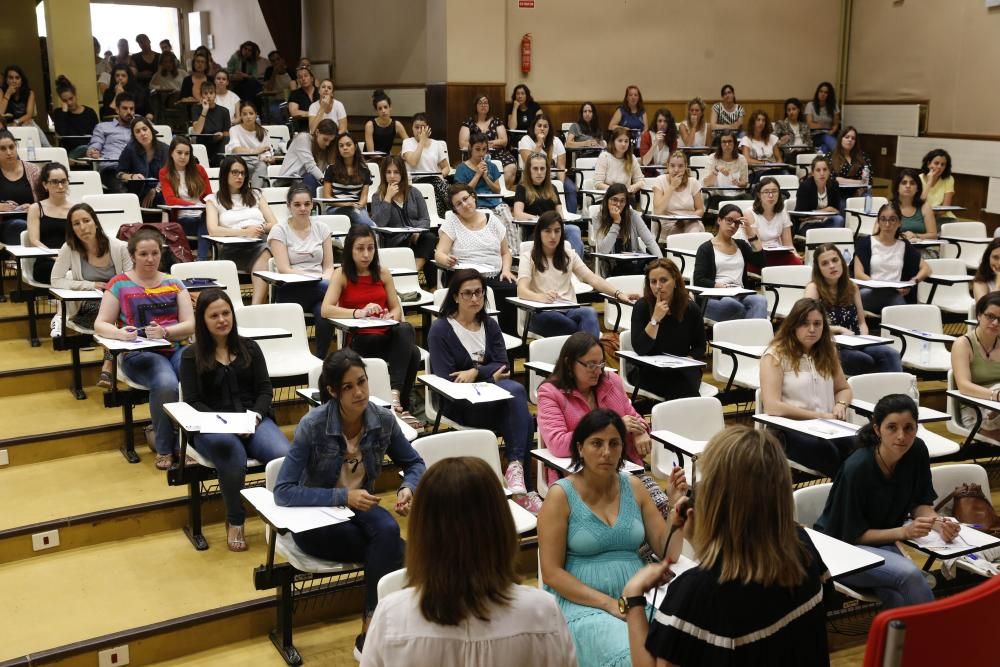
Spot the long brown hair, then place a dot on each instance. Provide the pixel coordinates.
(681, 155)
(627, 158)
(258, 130)
(462, 542)
(577, 345)
(534, 192)
(841, 294)
(680, 299)
(838, 157)
(701, 119)
(75, 244)
(324, 157)
(745, 488)
(195, 186)
(787, 346)
(404, 180)
(340, 165)
(625, 233)
(560, 260)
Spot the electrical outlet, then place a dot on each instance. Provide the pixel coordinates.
(113, 657)
(4, 459)
(885, 151)
(46, 540)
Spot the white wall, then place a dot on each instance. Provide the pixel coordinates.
(232, 23)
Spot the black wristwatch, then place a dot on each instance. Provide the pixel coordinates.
(624, 603)
(751, 239)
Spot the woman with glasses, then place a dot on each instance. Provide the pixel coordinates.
(886, 256)
(466, 345)
(580, 383)
(47, 218)
(620, 228)
(722, 262)
(727, 168)
(975, 361)
(769, 222)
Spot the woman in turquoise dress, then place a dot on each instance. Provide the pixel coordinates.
(590, 529)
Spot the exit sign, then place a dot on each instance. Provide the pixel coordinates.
(526, 4)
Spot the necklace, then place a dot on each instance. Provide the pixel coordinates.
(993, 347)
(886, 468)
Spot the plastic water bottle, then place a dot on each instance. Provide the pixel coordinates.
(31, 149)
(913, 392)
(865, 178)
(925, 352)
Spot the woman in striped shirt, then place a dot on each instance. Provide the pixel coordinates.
(348, 178)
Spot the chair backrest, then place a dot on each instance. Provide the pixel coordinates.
(546, 350)
(22, 133)
(699, 161)
(689, 241)
(479, 443)
(46, 154)
(787, 182)
(972, 253)
(628, 285)
(337, 224)
(804, 163)
(697, 418)
(278, 134)
(865, 223)
(946, 478)
(401, 258)
(164, 133)
(585, 162)
(872, 387)
(426, 191)
(222, 270)
(287, 316)
(740, 332)
(28, 263)
(83, 183)
(797, 277)
(810, 501)
(842, 237)
(115, 210)
(950, 298)
(200, 151)
(921, 317)
(744, 204)
(376, 179)
(377, 371)
(392, 582)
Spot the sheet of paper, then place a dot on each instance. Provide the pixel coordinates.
(723, 291)
(967, 538)
(363, 323)
(76, 294)
(851, 340)
(138, 343)
(228, 422)
(682, 565)
(295, 519)
(474, 392)
(482, 268)
(884, 284)
(274, 276)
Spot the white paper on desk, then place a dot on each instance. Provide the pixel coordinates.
(274, 276)
(667, 361)
(138, 343)
(723, 291)
(474, 392)
(482, 268)
(884, 284)
(228, 422)
(968, 538)
(820, 428)
(295, 519)
(852, 340)
(364, 323)
(76, 294)
(779, 248)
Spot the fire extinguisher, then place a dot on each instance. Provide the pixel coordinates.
(526, 53)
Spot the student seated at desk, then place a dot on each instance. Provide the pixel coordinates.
(848, 161)
(801, 378)
(769, 221)
(398, 204)
(823, 117)
(335, 459)
(975, 361)
(310, 153)
(88, 260)
(617, 163)
(620, 228)
(428, 155)
(659, 142)
(382, 130)
(886, 480)
(535, 195)
(224, 372)
(545, 274)
(145, 302)
(727, 114)
(184, 182)
(72, 119)
(466, 345)
(479, 173)
(793, 129)
(461, 523)
(589, 534)
(918, 220)
(666, 321)
(363, 288)
(327, 108)
(481, 121)
(842, 299)
(212, 119)
(819, 192)
(541, 140)
(759, 145)
(987, 278)
(348, 177)
(727, 168)
(744, 489)
(302, 246)
(252, 141)
(722, 262)
(522, 109)
(18, 190)
(694, 130)
(938, 183)
(630, 114)
(886, 256)
(580, 383)
(677, 193)
(141, 161)
(47, 218)
(586, 132)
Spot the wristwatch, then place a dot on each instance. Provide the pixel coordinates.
(655, 322)
(624, 603)
(751, 239)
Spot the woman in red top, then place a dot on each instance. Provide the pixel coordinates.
(362, 289)
(184, 182)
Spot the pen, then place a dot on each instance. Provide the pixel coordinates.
(219, 417)
(474, 386)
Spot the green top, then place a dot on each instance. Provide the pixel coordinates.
(914, 223)
(985, 372)
(862, 498)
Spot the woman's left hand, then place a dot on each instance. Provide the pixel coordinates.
(643, 444)
(634, 425)
(651, 576)
(948, 528)
(507, 276)
(404, 499)
(904, 290)
(155, 332)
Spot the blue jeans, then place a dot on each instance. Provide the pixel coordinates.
(897, 582)
(158, 372)
(750, 307)
(310, 297)
(874, 359)
(309, 181)
(817, 453)
(370, 537)
(824, 142)
(565, 322)
(575, 237)
(12, 228)
(358, 216)
(875, 300)
(509, 418)
(569, 189)
(229, 454)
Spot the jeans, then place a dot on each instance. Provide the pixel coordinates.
(565, 322)
(750, 307)
(817, 453)
(897, 582)
(371, 538)
(11, 230)
(509, 418)
(575, 237)
(875, 300)
(229, 454)
(310, 297)
(358, 216)
(309, 181)
(399, 349)
(824, 142)
(569, 189)
(195, 225)
(874, 359)
(159, 373)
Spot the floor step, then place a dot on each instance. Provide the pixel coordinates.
(25, 369)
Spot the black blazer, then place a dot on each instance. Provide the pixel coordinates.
(704, 262)
(807, 197)
(911, 261)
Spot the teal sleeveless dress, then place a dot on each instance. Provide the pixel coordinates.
(604, 558)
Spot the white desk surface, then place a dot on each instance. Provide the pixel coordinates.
(854, 341)
(474, 392)
(263, 333)
(969, 540)
(527, 304)
(233, 240)
(282, 278)
(916, 333)
(719, 292)
(972, 400)
(115, 345)
(562, 464)
(660, 360)
(752, 351)
(825, 429)
(842, 558)
(692, 448)
(924, 414)
(24, 251)
(293, 519)
(352, 323)
(76, 295)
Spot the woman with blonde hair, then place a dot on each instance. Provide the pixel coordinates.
(676, 193)
(744, 491)
(801, 378)
(464, 597)
(617, 163)
(694, 130)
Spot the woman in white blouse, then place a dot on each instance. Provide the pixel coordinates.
(760, 145)
(694, 130)
(327, 108)
(252, 142)
(540, 139)
(886, 256)
(768, 220)
(676, 193)
(617, 164)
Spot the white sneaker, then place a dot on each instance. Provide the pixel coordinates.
(514, 477)
(55, 327)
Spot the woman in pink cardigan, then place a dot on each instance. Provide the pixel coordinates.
(579, 384)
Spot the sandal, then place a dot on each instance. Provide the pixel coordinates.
(104, 381)
(164, 461)
(238, 543)
(410, 420)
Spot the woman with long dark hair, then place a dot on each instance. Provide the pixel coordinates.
(398, 204)
(251, 140)
(939, 184)
(541, 140)
(348, 178)
(987, 278)
(141, 161)
(586, 132)
(975, 363)
(886, 256)
(620, 228)
(823, 117)
(47, 217)
(522, 108)
(660, 141)
(917, 217)
(224, 372)
(17, 101)
(184, 182)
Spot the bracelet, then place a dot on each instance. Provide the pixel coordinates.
(842, 403)
(354, 313)
(617, 292)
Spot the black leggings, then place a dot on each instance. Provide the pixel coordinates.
(398, 349)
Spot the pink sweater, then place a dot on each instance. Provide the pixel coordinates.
(559, 412)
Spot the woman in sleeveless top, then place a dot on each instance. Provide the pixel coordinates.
(382, 130)
(631, 114)
(987, 278)
(916, 215)
(590, 529)
(47, 218)
(975, 361)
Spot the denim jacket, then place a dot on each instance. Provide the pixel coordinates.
(311, 470)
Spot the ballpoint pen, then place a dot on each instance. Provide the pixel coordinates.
(219, 417)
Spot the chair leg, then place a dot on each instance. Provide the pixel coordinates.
(32, 320)
(193, 527)
(281, 636)
(77, 388)
(128, 448)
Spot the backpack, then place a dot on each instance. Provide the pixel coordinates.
(173, 233)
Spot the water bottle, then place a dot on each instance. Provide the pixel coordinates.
(31, 149)
(925, 352)
(913, 392)
(865, 178)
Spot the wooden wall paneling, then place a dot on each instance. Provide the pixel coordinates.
(883, 166)
(449, 104)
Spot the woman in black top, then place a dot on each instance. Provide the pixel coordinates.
(722, 262)
(302, 97)
(224, 372)
(665, 320)
(192, 82)
(141, 161)
(522, 109)
(72, 119)
(348, 177)
(18, 184)
(17, 101)
(382, 130)
(819, 192)
(47, 218)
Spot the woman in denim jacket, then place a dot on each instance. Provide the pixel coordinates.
(336, 457)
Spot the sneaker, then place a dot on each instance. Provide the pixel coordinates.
(531, 502)
(55, 327)
(359, 646)
(514, 477)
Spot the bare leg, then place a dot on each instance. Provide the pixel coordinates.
(509, 174)
(259, 286)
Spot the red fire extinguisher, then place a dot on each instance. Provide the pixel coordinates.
(526, 53)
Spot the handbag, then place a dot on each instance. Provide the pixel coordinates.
(971, 506)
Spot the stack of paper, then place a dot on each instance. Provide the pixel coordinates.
(294, 519)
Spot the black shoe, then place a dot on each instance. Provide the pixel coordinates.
(359, 646)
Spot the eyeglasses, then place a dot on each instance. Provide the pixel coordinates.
(991, 318)
(618, 200)
(59, 183)
(890, 219)
(769, 193)
(469, 295)
(237, 172)
(735, 221)
(592, 366)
